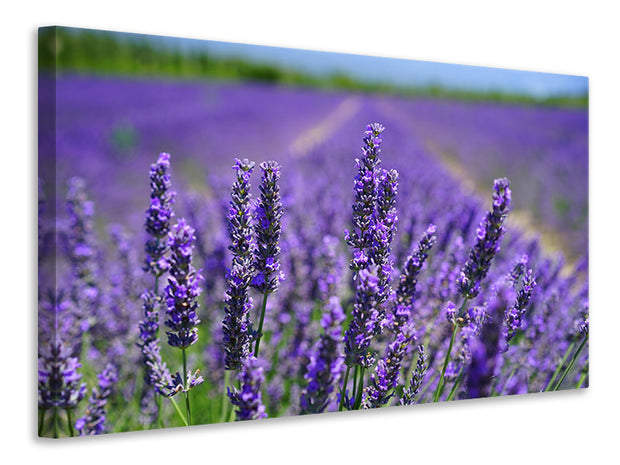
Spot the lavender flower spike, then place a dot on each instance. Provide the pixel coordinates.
(489, 235)
(93, 422)
(325, 362)
(158, 216)
(267, 228)
(385, 378)
(406, 290)
(365, 187)
(410, 393)
(84, 290)
(363, 321)
(156, 374)
(514, 315)
(248, 398)
(59, 381)
(237, 326)
(183, 288)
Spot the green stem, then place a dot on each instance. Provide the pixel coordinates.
(41, 420)
(55, 420)
(70, 422)
(360, 389)
(572, 362)
(176, 407)
(584, 375)
(440, 384)
(354, 391)
(224, 409)
(186, 389)
(260, 324)
(344, 388)
(559, 367)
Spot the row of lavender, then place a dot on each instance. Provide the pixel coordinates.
(364, 305)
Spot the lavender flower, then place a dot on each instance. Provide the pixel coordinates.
(59, 380)
(156, 374)
(384, 226)
(514, 315)
(183, 288)
(93, 421)
(489, 235)
(267, 229)
(385, 378)
(363, 319)
(158, 216)
(325, 362)
(237, 326)
(248, 398)
(177, 383)
(365, 187)
(406, 290)
(84, 290)
(410, 393)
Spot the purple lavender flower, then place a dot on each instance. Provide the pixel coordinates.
(267, 228)
(365, 187)
(514, 315)
(406, 290)
(237, 326)
(183, 288)
(84, 290)
(59, 380)
(384, 226)
(93, 421)
(325, 362)
(248, 398)
(363, 319)
(177, 384)
(410, 392)
(489, 235)
(158, 216)
(385, 378)
(156, 374)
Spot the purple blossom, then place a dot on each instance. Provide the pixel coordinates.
(183, 288)
(237, 326)
(406, 290)
(82, 253)
(410, 393)
(248, 398)
(267, 229)
(514, 315)
(365, 187)
(364, 317)
(93, 421)
(387, 373)
(326, 361)
(59, 380)
(156, 373)
(488, 237)
(158, 216)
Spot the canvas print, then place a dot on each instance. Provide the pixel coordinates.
(231, 232)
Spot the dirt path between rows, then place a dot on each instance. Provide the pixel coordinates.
(550, 240)
(315, 135)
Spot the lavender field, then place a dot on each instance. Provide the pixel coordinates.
(213, 252)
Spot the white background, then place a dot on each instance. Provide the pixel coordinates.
(560, 37)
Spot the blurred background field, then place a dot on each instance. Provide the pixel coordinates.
(121, 98)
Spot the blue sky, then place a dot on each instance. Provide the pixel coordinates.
(393, 70)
